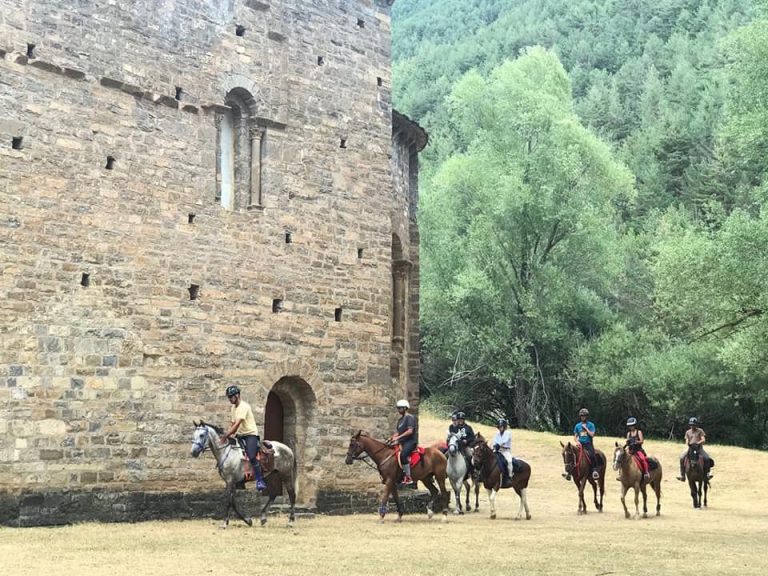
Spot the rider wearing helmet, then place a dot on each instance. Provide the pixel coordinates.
(407, 436)
(695, 435)
(502, 445)
(635, 439)
(583, 433)
(244, 428)
(464, 432)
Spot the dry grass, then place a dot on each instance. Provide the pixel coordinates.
(728, 538)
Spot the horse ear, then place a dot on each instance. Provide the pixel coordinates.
(617, 444)
(195, 423)
(561, 444)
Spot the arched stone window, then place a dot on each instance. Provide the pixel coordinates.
(240, 151)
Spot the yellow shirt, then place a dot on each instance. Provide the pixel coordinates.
(243, 412)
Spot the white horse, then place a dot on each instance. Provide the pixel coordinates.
(230, 463)
(459, 474)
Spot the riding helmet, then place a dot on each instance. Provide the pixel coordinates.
(402, 404)
(583, 412)
(232, 391)
(632, 421)
(693, 421)
(460, 415)
(501, 422)
(453, 417)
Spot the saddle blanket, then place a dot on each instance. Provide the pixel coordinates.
(415, 456)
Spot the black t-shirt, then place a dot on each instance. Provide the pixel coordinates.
(465, 433)
(408, 421)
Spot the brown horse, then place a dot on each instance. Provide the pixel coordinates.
(631, 476)
(696, 474)
(577, 467)
(431, 467)
(484, 460)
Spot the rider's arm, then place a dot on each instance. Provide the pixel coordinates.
(408, 432)
(703, 438)
(233, 429)
(589, 432)
(640, 437)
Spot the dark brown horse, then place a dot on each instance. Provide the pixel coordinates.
(577, 467)
(484, 460)
(696, 473)
(631, 476)
(431, 467)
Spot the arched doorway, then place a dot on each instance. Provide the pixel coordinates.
(289, 417)
(274, 414)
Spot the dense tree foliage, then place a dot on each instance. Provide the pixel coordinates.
(592, 215)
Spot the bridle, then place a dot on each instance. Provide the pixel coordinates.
(354, 445)
(569, 461)
(202, 444)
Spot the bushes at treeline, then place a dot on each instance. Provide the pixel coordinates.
(592, 213)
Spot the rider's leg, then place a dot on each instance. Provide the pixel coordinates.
(252, 447)
(405, 460)
(590, 448)
(707, 469)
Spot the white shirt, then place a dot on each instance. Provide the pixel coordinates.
(503, 440)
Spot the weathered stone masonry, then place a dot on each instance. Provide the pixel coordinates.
(194, 194)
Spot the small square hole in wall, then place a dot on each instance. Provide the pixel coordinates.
(320, 60)
(85, 280)
(337, 315)
(379, 81)
(191, 218)
(30, 50)
(359, 252)
(110, 163)
(240, 30)
(277, 305)
(179, 92)
(194, 291)
(16, 142)
(288, 238)
(343, 143)
(361, 23)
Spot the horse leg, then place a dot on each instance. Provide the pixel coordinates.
(264, 509)
(524, 498)
(456, 485)
(582, 503)
(657, 489)
(492, 502)
(467, 488)
(433, 493)
(705, 482)
(520, 508)
(637, 501)
(290, 487)
(383, 508)
(644, 489)
(624, 489)
(601, 486)
(694, 492)
(398, 504)
(477, 494)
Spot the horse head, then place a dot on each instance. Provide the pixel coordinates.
(355, 448)
(619, 454)
(199, 439)
(453, 444)
(569, 458)
(694, 451)
(481, 452)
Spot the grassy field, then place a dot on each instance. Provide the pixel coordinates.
(728, 538)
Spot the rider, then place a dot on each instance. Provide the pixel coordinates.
(464, 432)
(583, 433)
(635, 441)
(502, 445)
(695, 435)
(407, 436)
(244, 427)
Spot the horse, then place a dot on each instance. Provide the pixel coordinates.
(485, 461)
(697, 475)
(577, 467)
(432, 466)
(459, 474)
(631, 476)
(230, 463)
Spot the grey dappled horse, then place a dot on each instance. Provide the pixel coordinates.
(229, 461)
(459, 473)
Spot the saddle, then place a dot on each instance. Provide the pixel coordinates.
(584, 454)
(653, 463)
(266, 458)
(415, 456)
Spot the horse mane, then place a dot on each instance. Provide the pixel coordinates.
(219, 430)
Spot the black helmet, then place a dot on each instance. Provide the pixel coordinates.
(501, 422)
(460, 415)
(693, 421)
(232, 391)
(632, 421)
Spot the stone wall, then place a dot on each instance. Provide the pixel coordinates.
(130, 297)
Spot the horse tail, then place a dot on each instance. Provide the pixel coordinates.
(295, 476)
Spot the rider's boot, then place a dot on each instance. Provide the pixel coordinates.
(682, 471)
(257, 474)
(407, 480)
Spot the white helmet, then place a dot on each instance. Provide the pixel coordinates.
(402, 404)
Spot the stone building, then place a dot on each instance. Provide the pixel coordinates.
(193, 194)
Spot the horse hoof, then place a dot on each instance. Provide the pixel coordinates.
(493, 516)
(518, 518)
(626, 515)
(249, 521)
(222, 526)
(457, 512)
(645, 515)
(528, 517)
(263, 521)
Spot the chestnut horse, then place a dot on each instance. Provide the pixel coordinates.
(484, 460)
(631, 476)
(696, 474)
(577, 467)
(431, 467)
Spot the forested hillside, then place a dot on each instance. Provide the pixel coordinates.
(592, 220)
